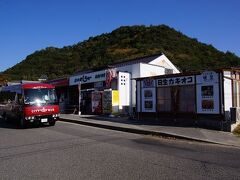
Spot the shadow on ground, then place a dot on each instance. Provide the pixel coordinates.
(11, 124)
(126, 120)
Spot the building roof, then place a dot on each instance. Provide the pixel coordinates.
(145, 59)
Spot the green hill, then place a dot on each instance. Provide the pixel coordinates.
(121, 44)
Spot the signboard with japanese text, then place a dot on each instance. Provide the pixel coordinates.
(208, 93)
(176, 81)
(148, 83)
(88, 78)
(110, 75)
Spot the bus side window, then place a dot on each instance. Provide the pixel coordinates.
(8, 97)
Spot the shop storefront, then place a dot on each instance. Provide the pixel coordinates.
(199, 99)
(112, 90)
(101, 92)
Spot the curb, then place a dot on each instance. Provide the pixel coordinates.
(140, 131)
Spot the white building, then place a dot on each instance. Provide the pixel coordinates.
(119, 80)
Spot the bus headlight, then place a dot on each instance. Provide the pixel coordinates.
(29, 118)
(55, 115)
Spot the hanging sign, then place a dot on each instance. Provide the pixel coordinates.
(110, 75)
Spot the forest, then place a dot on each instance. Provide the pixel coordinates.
(124, 43)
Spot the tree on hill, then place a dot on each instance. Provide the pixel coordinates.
(126, 42)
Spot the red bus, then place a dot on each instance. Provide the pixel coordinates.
(29, 103)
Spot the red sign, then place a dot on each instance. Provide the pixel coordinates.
(43, 110)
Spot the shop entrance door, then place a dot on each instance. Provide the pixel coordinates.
(86, 102)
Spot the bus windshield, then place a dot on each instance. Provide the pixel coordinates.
(39, 96)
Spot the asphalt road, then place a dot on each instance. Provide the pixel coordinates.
(70, 151)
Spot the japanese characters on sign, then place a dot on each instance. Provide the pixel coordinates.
(176, 81)
(148, 83)
(208, 76)
(87, 78)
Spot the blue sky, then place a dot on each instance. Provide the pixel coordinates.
(30, 25)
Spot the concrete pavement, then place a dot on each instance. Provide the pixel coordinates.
(150, 128)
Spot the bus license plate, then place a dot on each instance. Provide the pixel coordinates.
(44, 120)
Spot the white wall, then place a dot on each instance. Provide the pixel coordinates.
(147, 70)
(134, 71)
(227, 92)
(124, 89)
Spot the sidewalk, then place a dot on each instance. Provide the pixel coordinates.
(149, 128)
